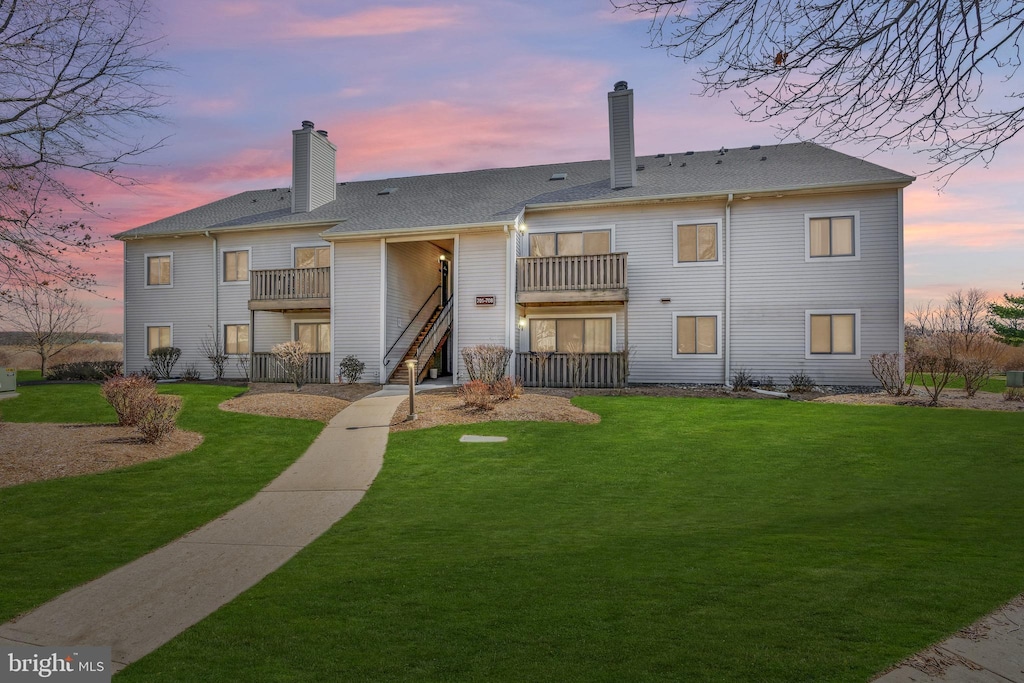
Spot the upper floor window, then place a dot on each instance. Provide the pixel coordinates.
(158, 270)
(697, 242)
(314, 337)
(833, 237)
(236, 266)
(312, 257)
(571, 335)
(696, 334)
(571, 243)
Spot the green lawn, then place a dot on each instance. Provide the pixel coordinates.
(995, 385)
(57, 534)
(680, 539)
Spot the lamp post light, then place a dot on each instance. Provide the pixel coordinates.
(411, 365)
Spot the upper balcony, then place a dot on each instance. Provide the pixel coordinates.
(591, 278)
(290, 289)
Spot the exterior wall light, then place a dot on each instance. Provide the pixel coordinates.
(522, 323)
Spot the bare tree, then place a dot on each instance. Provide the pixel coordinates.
(49, 319)
(75, 77)
(890, 74)
(963, 320)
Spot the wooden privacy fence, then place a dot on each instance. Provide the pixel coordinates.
(560, 273)
(266, 368)
(290, 283)
(573, 370)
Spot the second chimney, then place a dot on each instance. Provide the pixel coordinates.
(620, 133)
(313, 168)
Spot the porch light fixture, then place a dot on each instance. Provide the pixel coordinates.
(521, 228)
(522, 323)
(411, 365)
(442, 257)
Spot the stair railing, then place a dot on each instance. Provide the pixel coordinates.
(412, 328)
(433, 339)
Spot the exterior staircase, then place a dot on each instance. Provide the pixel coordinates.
(400, 375)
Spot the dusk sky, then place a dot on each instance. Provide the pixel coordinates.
(407, 88)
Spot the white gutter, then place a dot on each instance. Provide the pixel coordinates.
(728, 291)
(409, 232)
(216, 294)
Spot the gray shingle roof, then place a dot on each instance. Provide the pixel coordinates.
(495, 195)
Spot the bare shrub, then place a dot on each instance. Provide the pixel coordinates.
(890, 370)
(576, 366)
(351, 369)
(766, 382)
(163, 359)
(190, 373)
(128, 396)
(476, 395)
(1014, 394)
(486, 362)
(243, 365)
(935, 370)
(507, 388)
(978, 364)
(801, 382)
(742, 380)
(157, 417)
(292, 357)
(211, 347)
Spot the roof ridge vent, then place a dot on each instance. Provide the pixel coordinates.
(558, 176)
(388, 190)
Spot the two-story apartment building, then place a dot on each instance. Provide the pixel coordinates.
(776, 259)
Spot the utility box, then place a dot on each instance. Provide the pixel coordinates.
(1014, 378)
(8, 379)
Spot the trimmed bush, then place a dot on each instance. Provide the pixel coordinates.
(129, 397)
(507, 388)
(351, 369)
(476, 395)
(163, 359)
(85, 370)
(157, 417)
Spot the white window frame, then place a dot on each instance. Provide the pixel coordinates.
(146, 335)
(718, 243)
(550, 316)
(145, 269)
(610, 228)
(223, 330)
(300, 245)
(838, 213)
(717, 315)
(311, 321)
(855, 312)
(223, 273)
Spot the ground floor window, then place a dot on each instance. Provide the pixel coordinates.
(696, 334)
(833, 333)
(157, 336)
(314, 337)
(571, 335)
(236, 339)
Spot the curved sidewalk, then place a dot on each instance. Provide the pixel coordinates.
(142, 605)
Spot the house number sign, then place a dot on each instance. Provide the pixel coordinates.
(485, 301)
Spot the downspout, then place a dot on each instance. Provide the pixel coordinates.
(728, 291)
(510, 309)
(216, 296)
(124, 311)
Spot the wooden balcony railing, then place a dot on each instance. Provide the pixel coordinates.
(561, 273)
(266, 368)
(309, 286)
(576, 371)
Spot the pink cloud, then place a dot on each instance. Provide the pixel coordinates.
(379, 21)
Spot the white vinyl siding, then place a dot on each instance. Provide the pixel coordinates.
(480, 268)
(357, 302)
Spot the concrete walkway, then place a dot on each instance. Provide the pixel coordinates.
(141, 606)
(989, 651)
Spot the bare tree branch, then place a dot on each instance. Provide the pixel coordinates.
(49, 318)
(889, 74)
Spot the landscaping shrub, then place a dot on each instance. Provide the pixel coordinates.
(486, 362)
(129, 397)
(889, 370)
(163, 359)
(243, 365)
(191, 373)
(351, 369)
(507, 388)
(766, 382)
(1014, 394)
(978, 363)
(801, 382)
(936, 368)
(211, 347)
(476, 395)
(742, 380)
(85, 370)
(292, 357)
(157, 417)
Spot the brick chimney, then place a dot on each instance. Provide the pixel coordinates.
(313, 168)
(620, 133)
